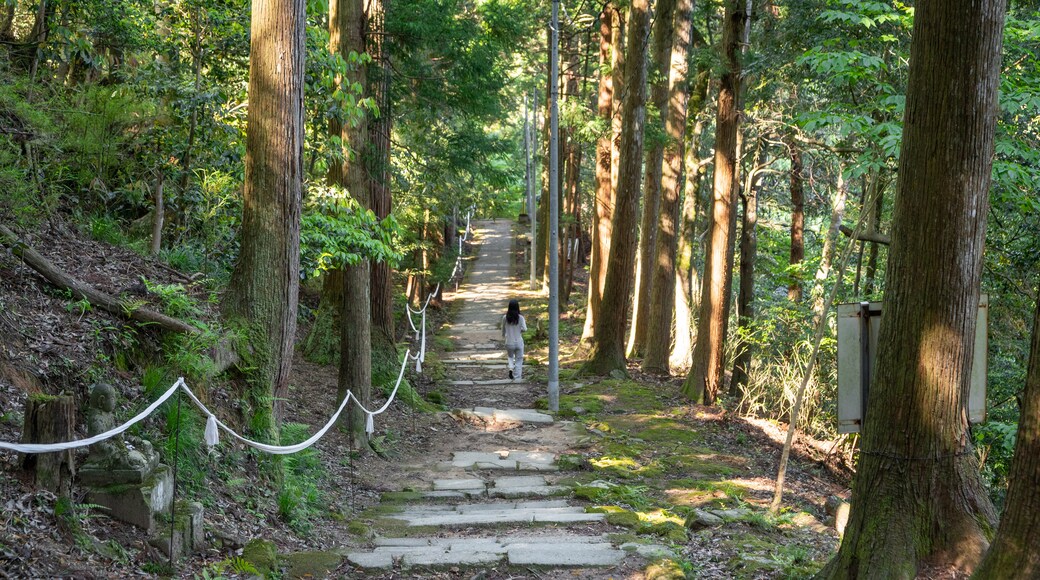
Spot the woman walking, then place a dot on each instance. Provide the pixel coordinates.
(513, 326)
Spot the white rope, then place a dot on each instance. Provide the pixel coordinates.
(50, 447)
(213, 424)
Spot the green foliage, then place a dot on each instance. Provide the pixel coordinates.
(336, 232)
(299, 498)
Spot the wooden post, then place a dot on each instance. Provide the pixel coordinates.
(50, 420)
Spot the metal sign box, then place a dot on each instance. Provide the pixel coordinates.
(858, 325)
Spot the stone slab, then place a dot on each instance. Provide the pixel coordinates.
(532, 491)
(371, 560)
(458, 484)
(460, 383)
(564, 555)
(532, 456)
(434, 557)
(518, 481)
(554, 539)
(522, 416)
(450, 494)
(482, 518)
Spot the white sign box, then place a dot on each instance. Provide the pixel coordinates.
(858, 325)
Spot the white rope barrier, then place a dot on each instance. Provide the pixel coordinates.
(213, 425)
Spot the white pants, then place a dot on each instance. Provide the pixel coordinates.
(515, 358)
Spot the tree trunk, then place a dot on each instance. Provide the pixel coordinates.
(264, 287)
(917, 498)
(604, 202)
(663, 32)
(872, 255)
(794, 290)
(572, 199)
(346, 35)
(50, 420)
(706, 374)
(1015, 552)
(542, 247)
(159, 215)
(383, 331)
(322, 343)
(686, 280)
(662, 289)
(609, 351)
(355, 364)
(748, 255)
(829, 243)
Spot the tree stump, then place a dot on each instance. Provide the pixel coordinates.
(50, 419)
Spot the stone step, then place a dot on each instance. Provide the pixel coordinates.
(556, 550)
(484, 383)
(476, 514)
(474, 357)
(505, 460)
(501, 487)
(503, 417)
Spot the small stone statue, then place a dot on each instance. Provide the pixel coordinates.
(113, 460)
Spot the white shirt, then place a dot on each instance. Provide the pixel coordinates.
(512, 332)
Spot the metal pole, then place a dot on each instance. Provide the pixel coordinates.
(532, 205)
(554, 213)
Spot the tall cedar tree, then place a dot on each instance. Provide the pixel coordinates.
(346, 35)
(604, 200)
(663, 33)
(383, 332)
(794, 290)
(608, 353)
(748, 255)
(705, 376)
(917, 498)
(1015, 552)
(264, 286)
(662, 289)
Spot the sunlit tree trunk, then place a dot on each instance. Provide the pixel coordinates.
(662, 289)
(794, 290)
(706, 374)
(917, 497)
(609, 351)
(830, 240)
(664, 12)
(264, 286)
(1015, 553)
(346, 34)
(687, 282)
(570, 205)
(604, 201)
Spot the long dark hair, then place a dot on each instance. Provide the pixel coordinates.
(513, 312)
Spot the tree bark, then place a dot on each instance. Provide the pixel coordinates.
(264, 287)
(917, 497)
(746, 290)
(383, 331)
(872, 255)
(604, 201)
(609, 351)
(1015, 552)
(159, 214)
(663, 33)
(705, 378)
(829, 243)
(794, 290)
(662, 289)
(347, 26)
(50, 420)
(571, 205)
(686, 280)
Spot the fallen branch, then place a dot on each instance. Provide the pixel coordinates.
(867, 236)
(84, 291)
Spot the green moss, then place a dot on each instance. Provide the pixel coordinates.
(590, 492)
(400, 496)
(43, 398)
(624, 518)
(570, 462)
(664, 570)
(670, 530)
(358, 528)
(310, 564)
(263, 555)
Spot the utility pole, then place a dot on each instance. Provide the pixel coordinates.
(532, 202)
(554, 212)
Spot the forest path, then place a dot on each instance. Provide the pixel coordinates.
(495, 498)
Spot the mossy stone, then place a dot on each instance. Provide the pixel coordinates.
(623, 518)
(310, 564)
(262, 554)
